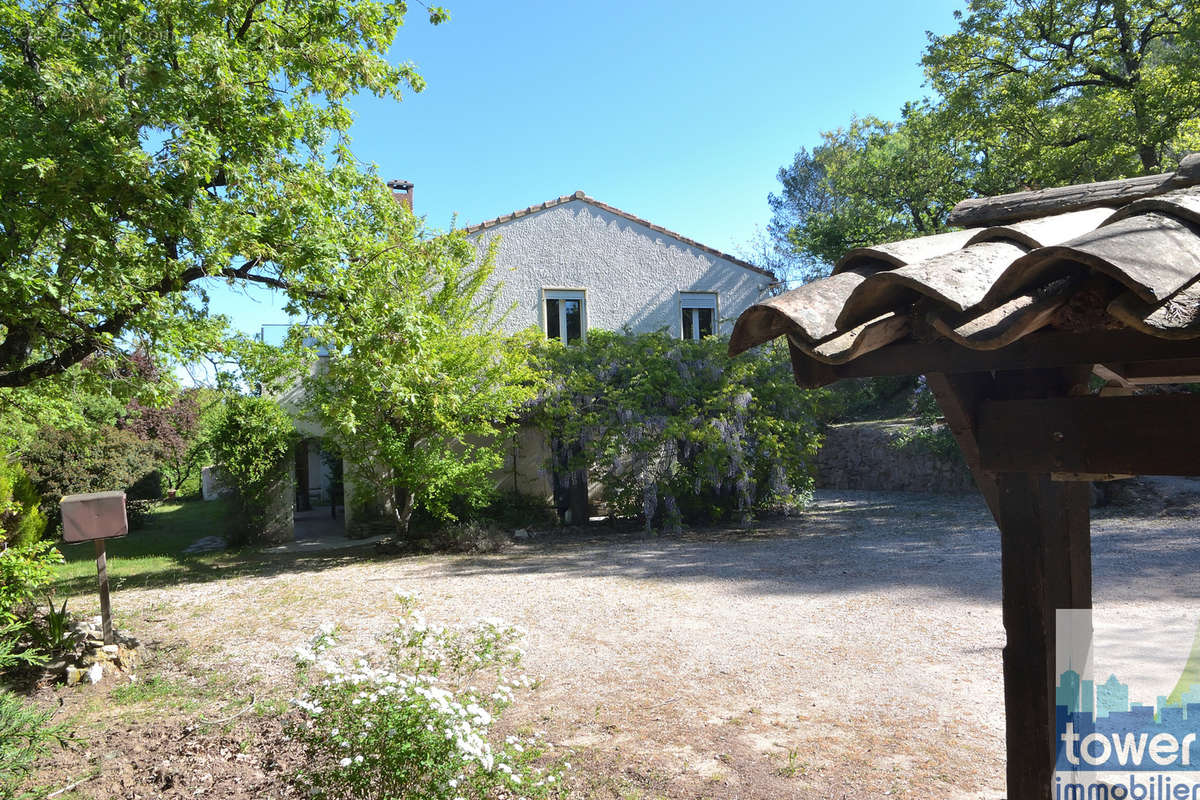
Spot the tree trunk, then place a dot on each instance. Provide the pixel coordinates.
(403, 498)
(1149, 156)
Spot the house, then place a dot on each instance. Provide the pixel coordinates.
(573, 264)
(567, 266)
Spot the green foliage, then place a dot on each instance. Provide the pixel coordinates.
(1031, 93)
(252, 442)
(103, 458)
(175, 432)
(24, 573)
(870, 182)
(151, 147)
(1063, 91)
(930, 432)
(22, 522)
(138, 511)
(94, 393)
(185, 473)
(515, 510)
(25, 563)
(421, 387)
(25, 736)
(53, 634)
(15, 649)
(872, 398)
(678, 430)
(419, 725)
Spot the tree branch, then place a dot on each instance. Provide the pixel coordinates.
(245, 26)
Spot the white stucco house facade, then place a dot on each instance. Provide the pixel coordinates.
(575, 264)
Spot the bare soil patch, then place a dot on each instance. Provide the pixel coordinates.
(852, 652)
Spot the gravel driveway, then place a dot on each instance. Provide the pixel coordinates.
(851, 652)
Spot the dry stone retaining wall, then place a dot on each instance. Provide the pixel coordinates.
(866, 455)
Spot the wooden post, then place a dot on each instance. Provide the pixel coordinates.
(1045, 564)
(105, 609)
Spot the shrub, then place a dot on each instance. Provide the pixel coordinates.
(146, 488)
(24, 573)
(22, 522)
(100, 459)
(252, 441)
(138, 513)
(677, 430)
(509, 510)
(516, 510)
(25, 736)
(419, 726)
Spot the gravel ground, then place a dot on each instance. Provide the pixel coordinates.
(852, 652)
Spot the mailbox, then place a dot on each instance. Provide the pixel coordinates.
(99, 515)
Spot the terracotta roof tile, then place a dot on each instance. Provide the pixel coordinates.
(1132, 263)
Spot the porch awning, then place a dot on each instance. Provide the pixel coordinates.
(1120, 263)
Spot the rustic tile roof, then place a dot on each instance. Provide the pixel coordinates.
(1131, 263)
(566, 198)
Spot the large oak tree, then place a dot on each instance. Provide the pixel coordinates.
(1070, 91)
(149, 146)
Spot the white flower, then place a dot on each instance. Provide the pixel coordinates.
(345, 762)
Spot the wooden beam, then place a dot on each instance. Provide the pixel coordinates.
(809, 372)
(1112, 377)
(1139, 435)
(959, 397)
(1037, 351)
(1090, 477)
(1043, 202)
(1175, 370)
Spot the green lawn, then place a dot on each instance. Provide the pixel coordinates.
(153, 554)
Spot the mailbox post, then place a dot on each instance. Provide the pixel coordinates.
(96, 517)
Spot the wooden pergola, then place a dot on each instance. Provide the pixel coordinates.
(1013, 321)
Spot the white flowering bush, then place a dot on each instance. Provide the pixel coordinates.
(418, 725)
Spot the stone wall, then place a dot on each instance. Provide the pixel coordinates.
(865, 455)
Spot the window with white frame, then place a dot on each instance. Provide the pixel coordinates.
(698, 314)
(564, 312)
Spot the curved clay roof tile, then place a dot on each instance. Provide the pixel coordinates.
(957, 280)
(908, 251)
(1151, 254)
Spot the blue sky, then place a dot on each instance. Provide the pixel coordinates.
(679, 112)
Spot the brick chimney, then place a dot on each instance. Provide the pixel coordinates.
(402, 191)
